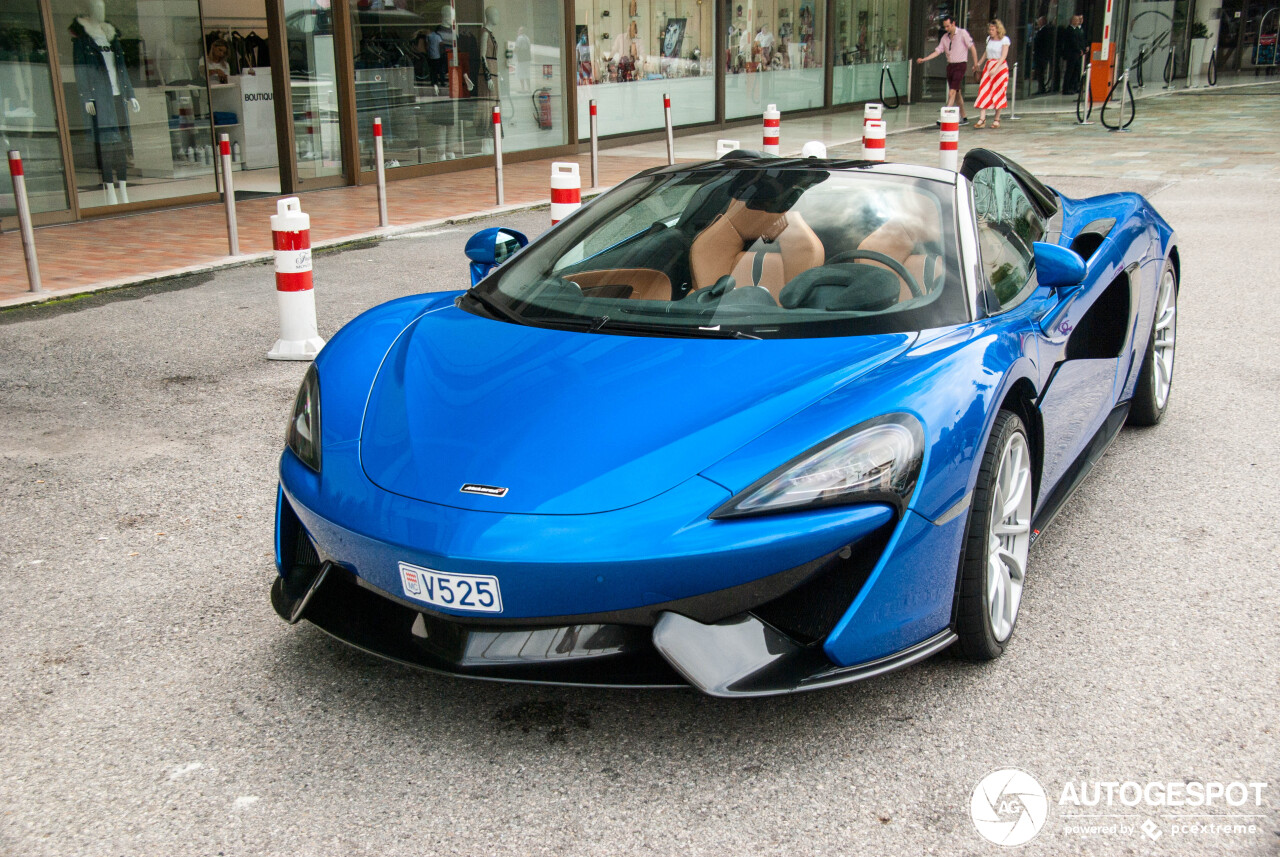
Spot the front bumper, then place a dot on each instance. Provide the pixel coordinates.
(633, 598)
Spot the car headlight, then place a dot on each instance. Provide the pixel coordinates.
(874, 462)
(303, 435)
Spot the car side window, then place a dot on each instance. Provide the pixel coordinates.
(1008, 225)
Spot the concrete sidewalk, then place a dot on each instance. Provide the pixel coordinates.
(1166, 140)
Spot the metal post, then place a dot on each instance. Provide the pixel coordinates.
(24, 219)
(671, 140)
(381, 167)
(1013, 102)
(497, 151)
(229, 195)
(595, 148)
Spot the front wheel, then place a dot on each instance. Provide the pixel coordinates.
(1155, 381)
(994, 566)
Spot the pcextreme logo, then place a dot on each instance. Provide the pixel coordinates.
(1008, 807)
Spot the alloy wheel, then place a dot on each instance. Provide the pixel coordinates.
(1009, 538)
(1165, 330)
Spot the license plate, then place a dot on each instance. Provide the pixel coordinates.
(478, 592)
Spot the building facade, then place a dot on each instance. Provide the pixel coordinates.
(117, 105)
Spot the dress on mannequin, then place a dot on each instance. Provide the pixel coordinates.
(102, 79)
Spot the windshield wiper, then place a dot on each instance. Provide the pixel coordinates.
(671, 330)
(493, 307)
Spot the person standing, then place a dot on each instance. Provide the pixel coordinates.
(957, 44)
(1077, 48)
(995, 75)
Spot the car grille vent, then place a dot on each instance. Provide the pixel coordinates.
(304, 553)
(809, 612)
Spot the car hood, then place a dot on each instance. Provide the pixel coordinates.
(575, 423)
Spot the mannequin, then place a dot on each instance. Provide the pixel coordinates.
(487, 85)
(103, 81)
(441, 43)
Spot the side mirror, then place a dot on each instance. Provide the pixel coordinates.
(489, 248)
(1057, 267)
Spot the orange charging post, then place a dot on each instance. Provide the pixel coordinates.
(1102, 71)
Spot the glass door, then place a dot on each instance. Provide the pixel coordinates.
(28, 116)
(313, 90)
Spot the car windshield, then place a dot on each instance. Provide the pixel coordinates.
(785, 251)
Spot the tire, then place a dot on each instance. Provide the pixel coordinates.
(1155, 381)
(998, 538)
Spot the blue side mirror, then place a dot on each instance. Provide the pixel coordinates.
(1057, 267)
(489, 248)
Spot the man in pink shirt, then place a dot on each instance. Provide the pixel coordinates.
(957, 44)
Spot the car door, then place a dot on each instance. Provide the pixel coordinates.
(1078, 357)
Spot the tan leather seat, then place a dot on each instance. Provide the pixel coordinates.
(916, 223)
(722, 248)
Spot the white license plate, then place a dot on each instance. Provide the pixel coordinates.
(478, 592)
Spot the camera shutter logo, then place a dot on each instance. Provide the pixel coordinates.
(1008, 807)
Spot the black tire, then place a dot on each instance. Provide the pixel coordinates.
(1147, 409)
(978, 641)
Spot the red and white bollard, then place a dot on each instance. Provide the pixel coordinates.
(724, 147)
(949, 139)
(381, 167)
(872, 111)
(24, 219)
(291, 238)
(772, 130)
(566, 190)
(229, 195)
(671, 139)
(497, 152)
(873, 140)
(595, 147)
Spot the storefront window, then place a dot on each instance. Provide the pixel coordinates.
(432, 72)
(28, 120)
(628, 53)
(870, 56)
(775, 56)
(313, 86)
(137, 99)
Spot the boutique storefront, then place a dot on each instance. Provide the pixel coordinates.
(117, 105)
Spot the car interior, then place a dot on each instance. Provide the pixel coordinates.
(782, 238)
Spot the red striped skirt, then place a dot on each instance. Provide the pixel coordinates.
(995, 83)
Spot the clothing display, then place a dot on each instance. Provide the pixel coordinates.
(102, 80)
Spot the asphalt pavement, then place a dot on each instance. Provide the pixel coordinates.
(153, 704)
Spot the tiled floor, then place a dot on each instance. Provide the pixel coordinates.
(1222, 131)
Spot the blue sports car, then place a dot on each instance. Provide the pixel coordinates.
(756, 426)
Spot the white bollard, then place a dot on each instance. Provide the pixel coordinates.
(873, 140)
(291, 238)
(595, 147)
(772, 130)
(381, 168)
(566, 190)
(671, 139)
(24, 219)
(813, 149)
(1013, 94)
(871, 111)
(229, 196)
(497, 152)
(724, 147)
(949, 139)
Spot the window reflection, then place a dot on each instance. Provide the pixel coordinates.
(775, 56)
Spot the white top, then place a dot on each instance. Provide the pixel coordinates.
(994, 47)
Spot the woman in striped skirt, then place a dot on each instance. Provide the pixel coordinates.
(995, 75)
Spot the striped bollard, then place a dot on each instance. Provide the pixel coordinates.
(497, 152)
(671, 139)
(772, 130)
(381, 167)
(724, 147)
(291, 239)
(871, 111)
(24, 219)
(566, 190)
(949, 139)
(229, 195)
(873, 140)
(595, 147)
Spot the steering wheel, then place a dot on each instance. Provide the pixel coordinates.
(888, 261)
